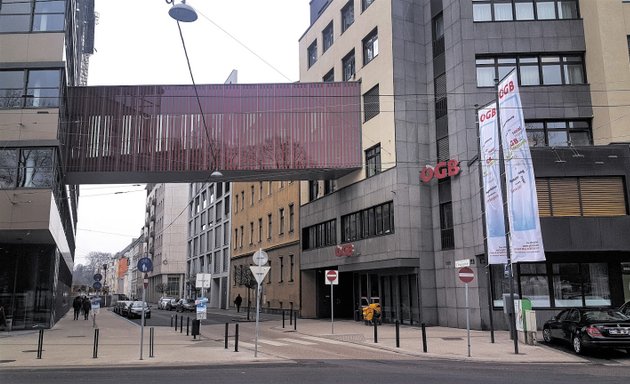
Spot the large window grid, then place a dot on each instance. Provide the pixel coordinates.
(320, 235)
(29, 88)
(509, 10)
(26, 168)
(32, 15)
(532, 70)
(370, 222)
(312, 53)
(555, 285)
(565, 133)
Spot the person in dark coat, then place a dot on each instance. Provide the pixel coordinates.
(238, 301)
(87, 305)
(77, 303)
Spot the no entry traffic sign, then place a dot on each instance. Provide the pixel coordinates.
(332, 277)
(466, 275)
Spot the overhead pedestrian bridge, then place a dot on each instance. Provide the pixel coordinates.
(179, 133)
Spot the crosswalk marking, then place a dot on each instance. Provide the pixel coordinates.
(322, 340)
(274, 343)
(246, 345)
(297, 341)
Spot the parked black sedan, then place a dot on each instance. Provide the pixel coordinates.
(587, 328)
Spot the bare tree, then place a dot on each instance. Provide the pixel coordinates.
(161, 288)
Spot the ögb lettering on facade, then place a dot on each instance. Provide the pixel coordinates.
(442, 170)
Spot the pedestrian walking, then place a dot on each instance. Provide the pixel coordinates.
(77, 303)
(238, 301)
(86, 305)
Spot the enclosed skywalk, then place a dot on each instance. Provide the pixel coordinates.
(176, 133)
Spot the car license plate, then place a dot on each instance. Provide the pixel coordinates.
(619, 331)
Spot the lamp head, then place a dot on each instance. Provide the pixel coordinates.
(183, 12)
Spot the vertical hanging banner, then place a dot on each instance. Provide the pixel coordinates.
(492, 196)
(525, 236)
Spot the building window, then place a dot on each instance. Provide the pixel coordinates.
(329, 187)
(365, 4)
(32, 16)
(558, 133)
(291, 265)
(251, 232)
(260, 190)
(508, 10)
(347, 64)
(320, 235)
(438, 35)
(29, 88)
(235, 237)
(269, 226)
(327, 37)
(240, 242)
(252, 193)
(281, 268)
(227, 205)
(370, 46)
(447, 233)
(581, 196)
(219, 211)
(242, 200)
(312, 53)
(291, 218)
(329, 77)
(347, 16)
(371, 106)
(628, 38)
(313, 189)
(260, 224)
(532, 70)
(26, 168)
(373, 160)
(556, 285)
(281, 218)
(370, 222)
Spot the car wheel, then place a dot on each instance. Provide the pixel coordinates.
(547, 335)
(578, 348)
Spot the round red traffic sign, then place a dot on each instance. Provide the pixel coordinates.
(331, 275)
(466, 275)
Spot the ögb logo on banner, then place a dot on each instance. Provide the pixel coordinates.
(489, 114)
(442, 170)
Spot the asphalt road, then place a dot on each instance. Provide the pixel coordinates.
(332, 371)
(162, 318)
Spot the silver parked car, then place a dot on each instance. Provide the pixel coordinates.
(136, 308)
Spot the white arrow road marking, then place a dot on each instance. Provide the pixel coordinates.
(297, 341)
(274, 343)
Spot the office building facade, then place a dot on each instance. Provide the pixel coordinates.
(45, 48)
(425, 67)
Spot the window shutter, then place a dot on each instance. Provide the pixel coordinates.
(565, 198)
(544, 203)
(603, 196)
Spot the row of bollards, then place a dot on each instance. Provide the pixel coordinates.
(292, 319)
(227, 335)
(397, 324)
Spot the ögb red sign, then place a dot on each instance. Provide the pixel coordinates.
(344, 250)
(466, 275)
(332, 277)
(442, 170)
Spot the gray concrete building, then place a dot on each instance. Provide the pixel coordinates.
(425, 67)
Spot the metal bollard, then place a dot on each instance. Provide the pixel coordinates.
(181, 324)
(187, 326)
(424, 338)
(171, 320)
(283, 319)
(236, 339)
(40, 344)
(151, 341)
(227, 327)
(95, 349)
(291, 317)
(375, 330)
(295, 322)
(397, 334)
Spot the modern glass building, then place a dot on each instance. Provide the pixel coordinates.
(45, 49)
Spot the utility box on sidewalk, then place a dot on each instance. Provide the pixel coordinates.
(525, 321)
(196, 324)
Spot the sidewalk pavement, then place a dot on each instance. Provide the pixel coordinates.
(70, 343)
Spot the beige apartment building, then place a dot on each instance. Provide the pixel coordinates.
(265, 216)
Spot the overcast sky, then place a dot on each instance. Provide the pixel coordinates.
(138, 43)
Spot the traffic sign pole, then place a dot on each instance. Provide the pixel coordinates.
(467, 320)
(332, 310)
(466, 275)
(144, 290)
